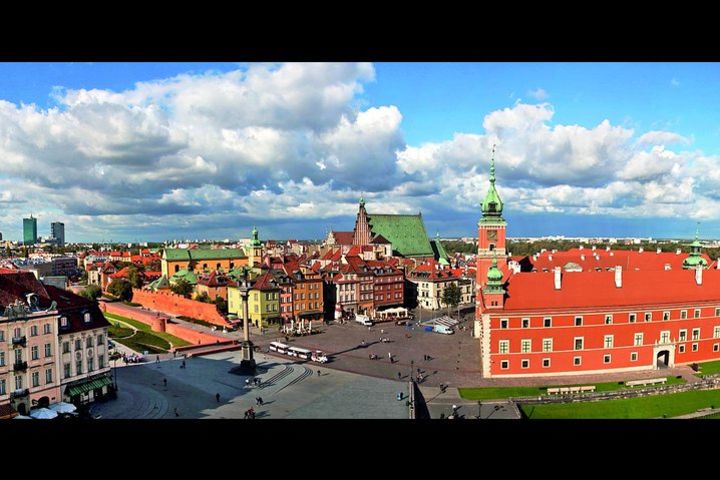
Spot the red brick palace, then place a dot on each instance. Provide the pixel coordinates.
(591, 311)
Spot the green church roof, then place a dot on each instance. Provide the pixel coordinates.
(440, 252)
(203, 254)
(492, 206)
(406, 233)
(695, 258)
(186, 275)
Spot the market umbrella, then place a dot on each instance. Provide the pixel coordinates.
(63, 407)
(21, 417)
(43, 414)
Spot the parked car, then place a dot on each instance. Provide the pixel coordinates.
(443, 329)
(363, 320)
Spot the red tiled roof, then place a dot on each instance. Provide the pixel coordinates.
(628, 259)
(14, 286)
(74, 307)
(343, 238)
(263, 282)
(536, 291)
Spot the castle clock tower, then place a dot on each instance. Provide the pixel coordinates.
(491, 231)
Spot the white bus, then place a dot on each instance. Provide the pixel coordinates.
(278, 347)
(299, 353)
(319, 356)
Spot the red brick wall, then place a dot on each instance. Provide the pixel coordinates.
(161, 324)
(173, 304)
(192, 336)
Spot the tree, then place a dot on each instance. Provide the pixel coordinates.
(182, 287)
(451, 296)
(134, 277)
(91, 292)
(121, 289)
(203, 297)
(221, 305)
(84, 277)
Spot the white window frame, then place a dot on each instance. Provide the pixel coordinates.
(545, 348)
(525, 321)
(582, 344)
(544, 361)
(632, 317)
(577, 361)
(647, 317)
(504, 343)
(633, 356)
(716, 331)
(666, 316)
(575, 321)
(694, 347)
(505, 322)
(641, 337)
(666, 335)
(607, 359)
(611, 343)
(504, 364)
(523, 343)
(683, 314)
(547, 322)
(696, 313)
(525, 363)
(682, 337)
(608, 319)
(716, 347)
(695, 334)
(681, 349)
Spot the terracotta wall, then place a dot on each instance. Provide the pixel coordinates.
(192, 336)
(173, 304)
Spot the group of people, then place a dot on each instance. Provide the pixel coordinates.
(250, 414)
(256, 381)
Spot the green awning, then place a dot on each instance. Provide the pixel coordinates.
(88, 385)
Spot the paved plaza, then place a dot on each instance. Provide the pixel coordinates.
(288, 390)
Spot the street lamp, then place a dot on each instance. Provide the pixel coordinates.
(115, 373)
(412, 365)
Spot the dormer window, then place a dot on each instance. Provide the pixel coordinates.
(63, 322)
(87, 317)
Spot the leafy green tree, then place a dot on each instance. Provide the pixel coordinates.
(203, 297)
(182, 287)
(121, 289)
(91, 292)
(135, 277)
(451, 296)
(221, 305)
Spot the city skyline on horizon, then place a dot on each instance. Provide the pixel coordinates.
(615, 150)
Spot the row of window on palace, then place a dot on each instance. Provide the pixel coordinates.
(610, 318)
(34, 331)
(388, 287)
(608, 341)
(607, 358)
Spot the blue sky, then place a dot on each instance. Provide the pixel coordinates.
(192, 150)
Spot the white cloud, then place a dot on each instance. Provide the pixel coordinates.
(539, 94)
(659, 137)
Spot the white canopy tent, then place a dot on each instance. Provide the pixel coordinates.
(63, 407)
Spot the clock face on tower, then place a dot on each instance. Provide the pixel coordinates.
(492, 235)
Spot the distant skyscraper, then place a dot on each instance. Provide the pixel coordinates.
(57, 231)
(29, 230)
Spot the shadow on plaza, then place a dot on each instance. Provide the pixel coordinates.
(190, 392)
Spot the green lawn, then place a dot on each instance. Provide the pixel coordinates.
(176, 342)
(198, 321)
(654, 406)
(142, 341)
(709, 368)
(492, 393)
(116, 331)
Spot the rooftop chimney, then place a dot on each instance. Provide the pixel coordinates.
(718, 264)
(640, 250)
(593, 248)
(581, 247)
(582, 257)
(677, 252)
(658, 251)
(618, 276)
(550, 257)
(558, 277)
(607, 249)
(698, 275)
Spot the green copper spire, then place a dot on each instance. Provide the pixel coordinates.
(492, 206)
(255, 241)
(494, 279)
(362, 201)
(695, 258)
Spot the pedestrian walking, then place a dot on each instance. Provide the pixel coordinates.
(165, 382)
(177, 414)
(217, 397)
(399, 375)
(318, 373)
(157, 358)
(247, 382)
